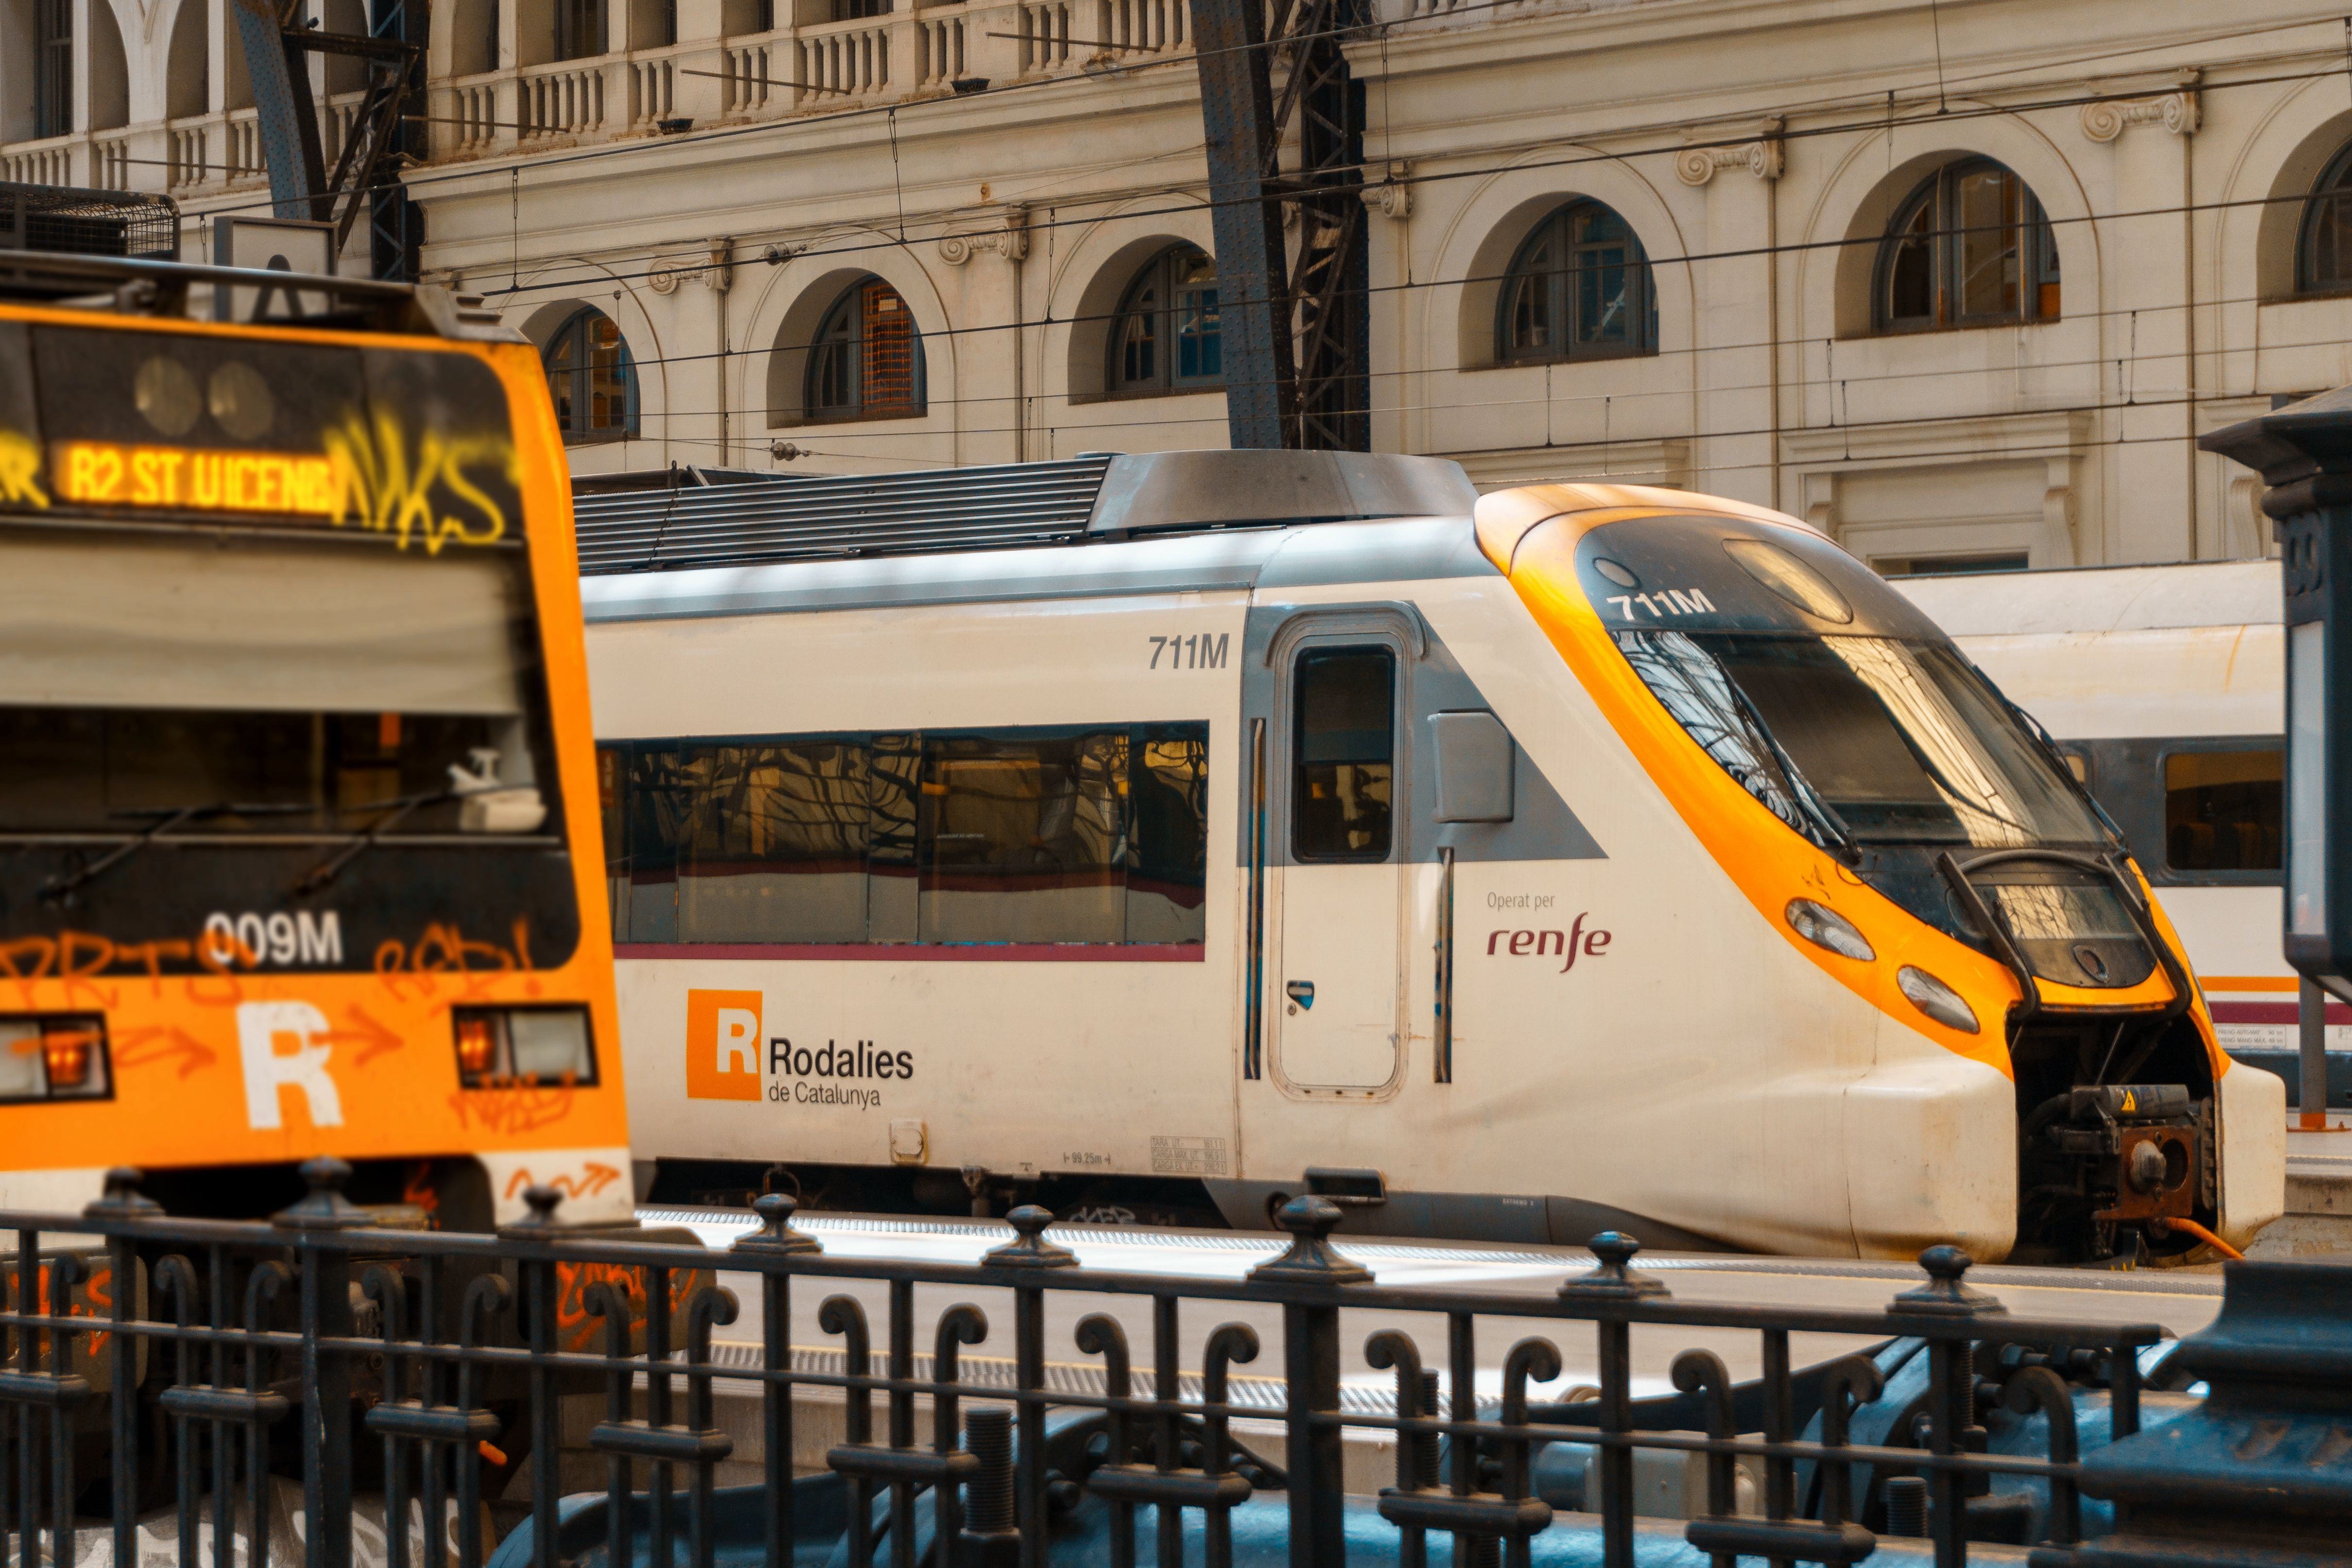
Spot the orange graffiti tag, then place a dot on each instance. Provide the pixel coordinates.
(594, 1179)
(148, 1044)
(579, 1329)
(372, 1038)
(510, 1111)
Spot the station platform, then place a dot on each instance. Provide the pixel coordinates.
(2318, 1221)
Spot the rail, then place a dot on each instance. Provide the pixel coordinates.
(444, 1352)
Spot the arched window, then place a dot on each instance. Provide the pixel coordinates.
(867, 359)
(1167, 337)
(1578, 290)
(1971, 247)
(592, 379)
(2322, 257)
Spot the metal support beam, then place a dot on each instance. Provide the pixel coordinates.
(289, 118)
(1329, 287)
(395, 223)
(1237, 117)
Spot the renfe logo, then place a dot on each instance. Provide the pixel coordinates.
(722, 1045)
(1577, 940)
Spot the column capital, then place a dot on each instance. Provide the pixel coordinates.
(1765, 157)
(2179, 112)
(1009, 239)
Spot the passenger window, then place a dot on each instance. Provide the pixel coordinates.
(776, 844)
(1070, 835)
(1344, 778)
(1021, 841)
(2222, 809)
(653, 822)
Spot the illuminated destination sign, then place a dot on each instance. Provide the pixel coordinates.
(198, 479)
(415, 447)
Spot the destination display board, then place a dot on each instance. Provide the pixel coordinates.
(411, 444)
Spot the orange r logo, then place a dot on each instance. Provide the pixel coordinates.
(722, 1045)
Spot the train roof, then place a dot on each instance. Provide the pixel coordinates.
(1092, 498)
(2100, 599)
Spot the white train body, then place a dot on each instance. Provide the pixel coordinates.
(2130, 668)
(1566, 995)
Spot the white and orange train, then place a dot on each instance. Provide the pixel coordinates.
(1163, 834)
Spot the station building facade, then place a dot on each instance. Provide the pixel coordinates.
(1961, 283)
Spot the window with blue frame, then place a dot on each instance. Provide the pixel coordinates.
(1167, 337)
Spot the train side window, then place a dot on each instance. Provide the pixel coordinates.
(1067, 835)
(653, 821)
(1344, 766)
(776, 842)
(2222, 809)
(1023, 840)
(2080, 766)
(1168, 837)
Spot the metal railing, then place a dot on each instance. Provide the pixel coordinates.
(443, 1352)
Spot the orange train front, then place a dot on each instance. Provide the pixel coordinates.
(296, 802)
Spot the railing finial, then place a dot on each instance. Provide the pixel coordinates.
(324, 1208)
(1611, 1279)
(1943, 1292)
(1029, 1248)
(1311, 1259)
(776, 1237)
(543, 1201)
(123, 1200)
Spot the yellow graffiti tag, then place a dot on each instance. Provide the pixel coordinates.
(387, 491)
(20, 472)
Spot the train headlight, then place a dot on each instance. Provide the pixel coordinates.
(1937, 1000)
(53, 1058)
(527, 1046)
(1825, 927)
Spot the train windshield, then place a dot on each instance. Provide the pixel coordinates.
(1863, 739)
(248, 688)
(271, 689)
(1825, 692)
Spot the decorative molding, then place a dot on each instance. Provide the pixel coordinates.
(1816, 457)
(2179, 112)
(1393, 195)
(1765, 158)
(718, 274)
(1010, 241)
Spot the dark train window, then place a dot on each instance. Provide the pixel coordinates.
(1344, 776)
(1094, 834)
(2222, 809)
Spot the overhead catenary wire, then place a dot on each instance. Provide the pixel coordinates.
(475, 170)
(1197, 203)
(1693, 351)
(1606, 473)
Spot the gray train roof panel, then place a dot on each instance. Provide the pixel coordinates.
(1087, 500)
(1399, 550)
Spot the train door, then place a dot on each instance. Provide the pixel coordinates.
(1334, 1003)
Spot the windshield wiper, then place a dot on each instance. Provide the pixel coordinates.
(58, 889)
(326, 870)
